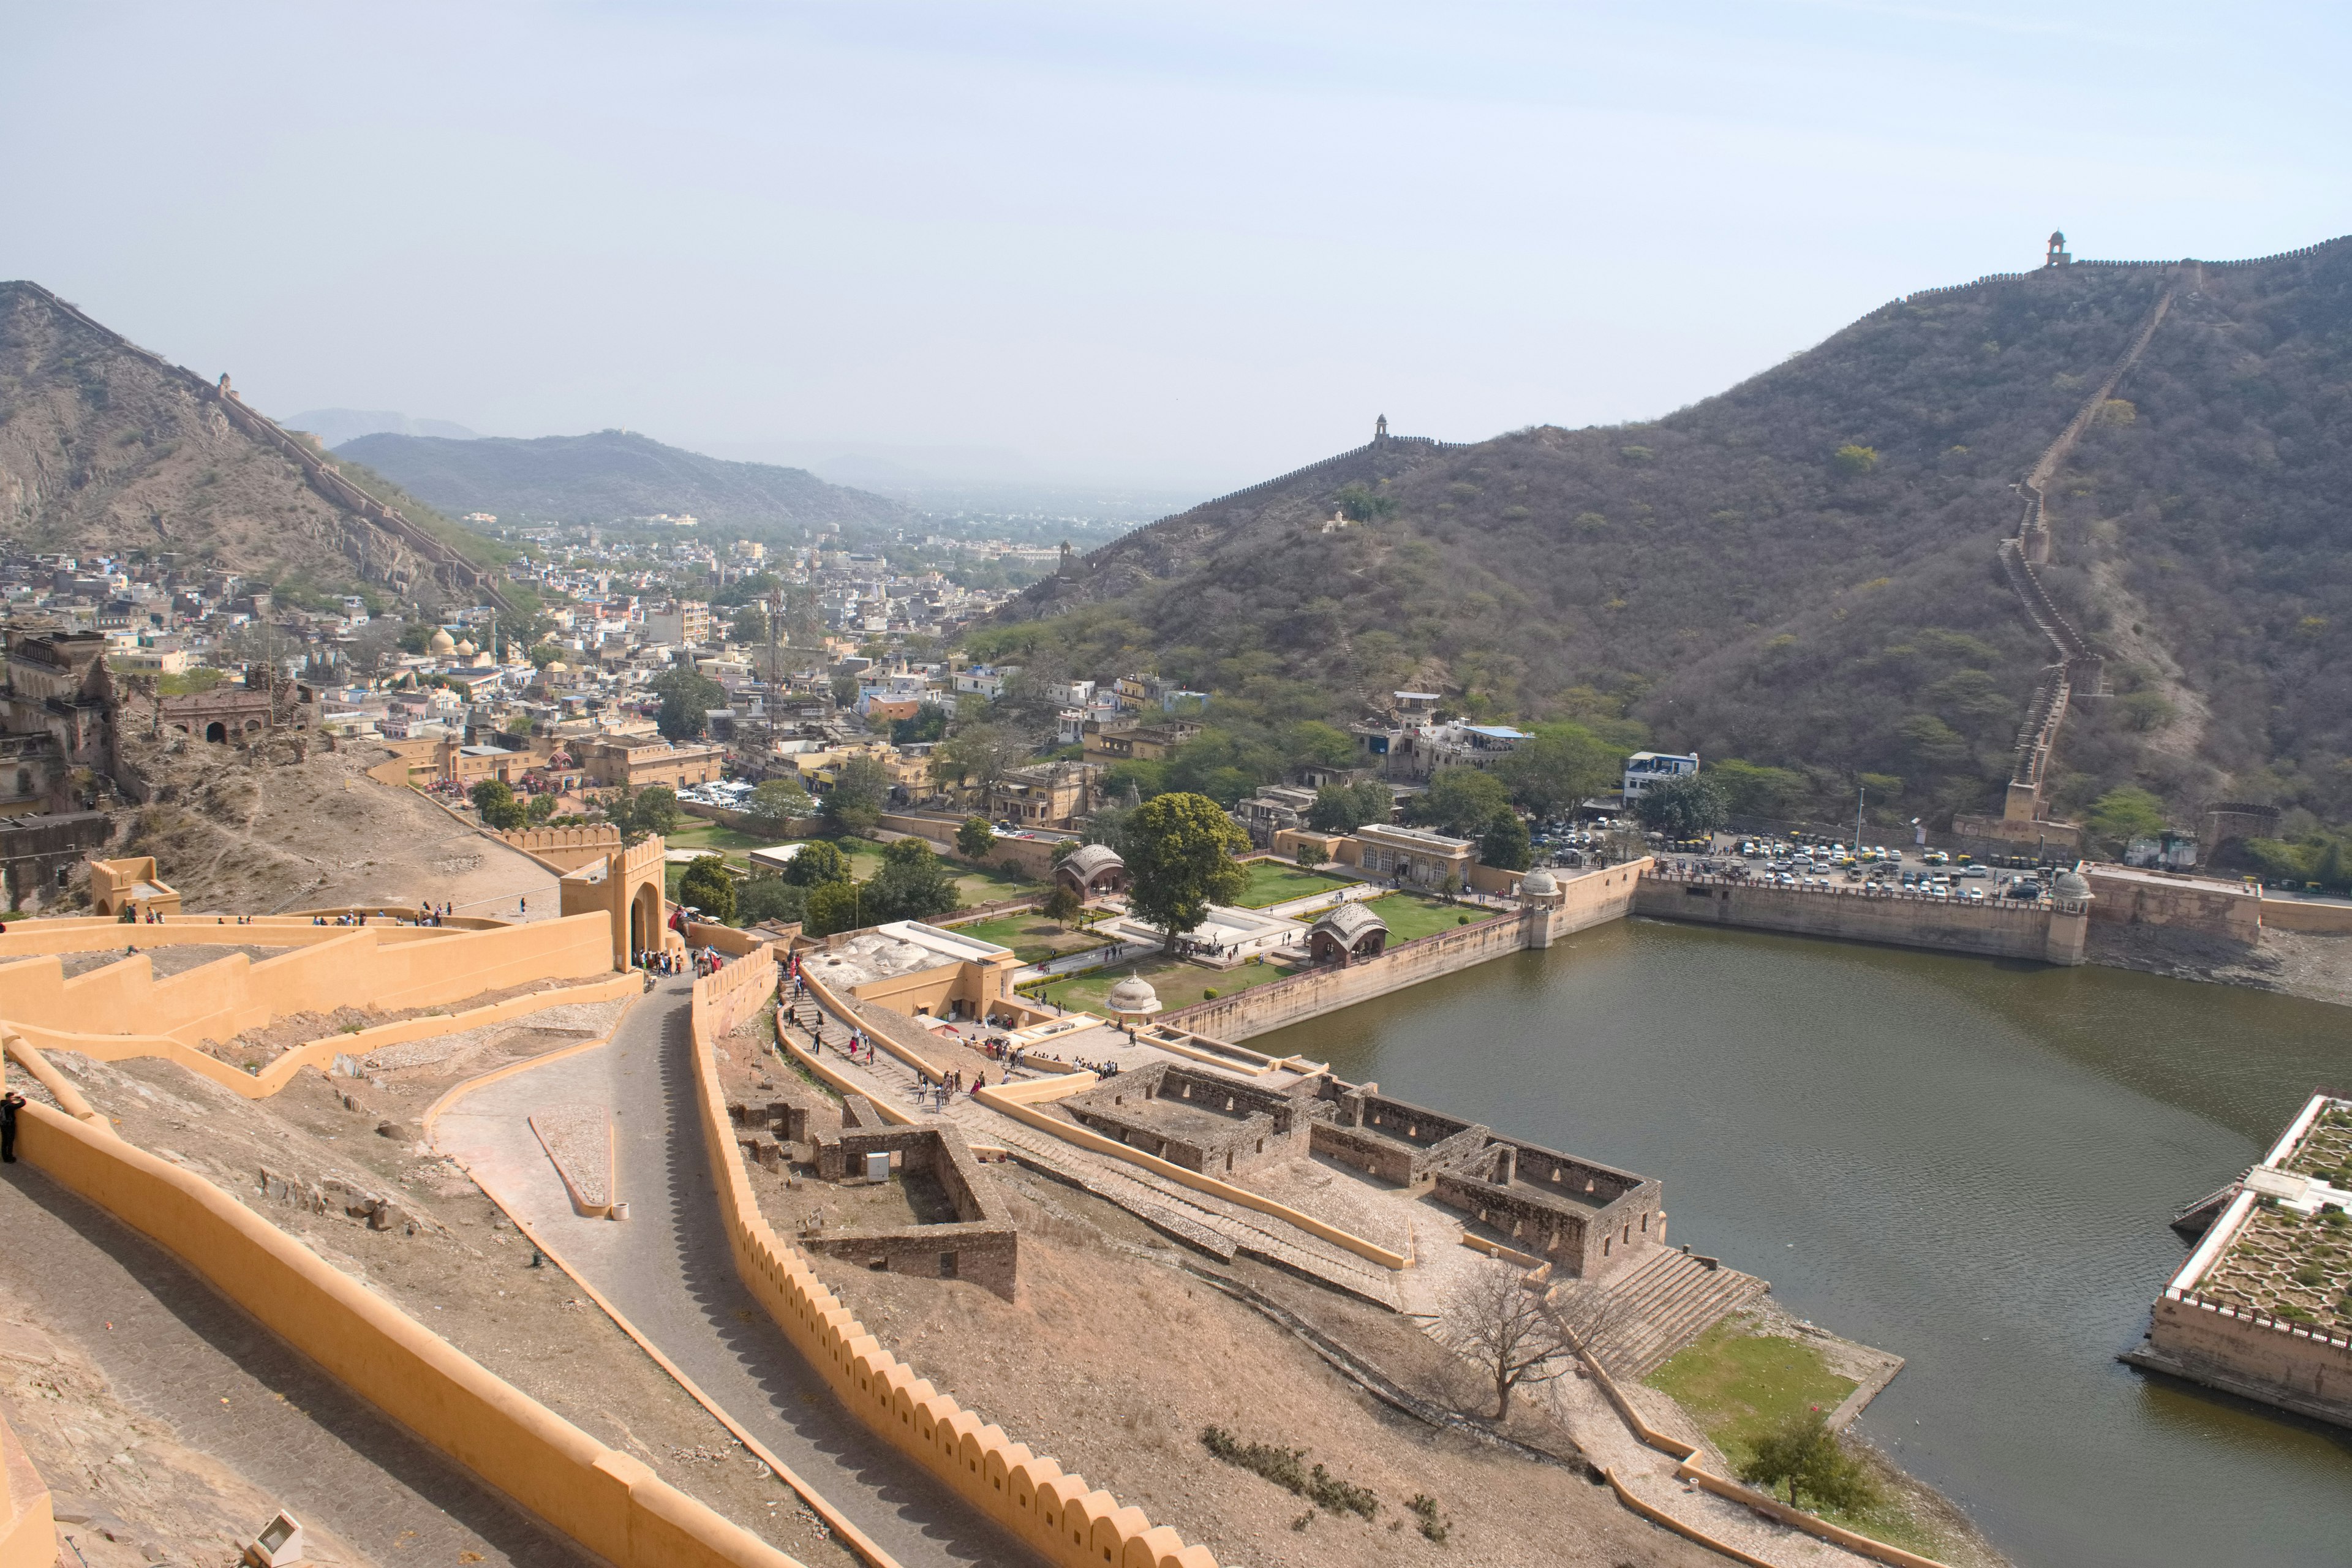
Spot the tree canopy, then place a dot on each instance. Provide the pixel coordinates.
(776, 806)
(687, 697)
(707, 887)
(1460, 801)
(860, 790)
(1343, 808)
(1687, 807)
(1180, 850)
(814, 863)
(913, 884)
(496, 802)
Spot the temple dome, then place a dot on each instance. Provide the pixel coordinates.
(1133, 995)
(442, 641)
(467, 649)
(2071, 887)
(1539, 883)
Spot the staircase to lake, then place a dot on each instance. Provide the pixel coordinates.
(1664, 1304)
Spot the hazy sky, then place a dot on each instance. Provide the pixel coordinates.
(1188, 243)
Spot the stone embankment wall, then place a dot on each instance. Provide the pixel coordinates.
(2143, 899)
(1587, 900)
(1065, 1519)
(2307, 1369)
(2298, 914)
(1992, 929)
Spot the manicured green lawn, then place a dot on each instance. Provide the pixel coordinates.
(1272, 882)
(1410, 915)
(1033, 936)
(695, 833)
(1180, 984)
(1737, 1384)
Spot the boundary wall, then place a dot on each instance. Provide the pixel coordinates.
(2038, 932)
(321, 1053)
(1060, 1516)
(609, 1502)
(371, 966)
(2298, 914)
(29, 1526)
(1587, 900)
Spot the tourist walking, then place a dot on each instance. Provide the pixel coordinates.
(9, 1105)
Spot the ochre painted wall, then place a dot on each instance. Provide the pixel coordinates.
(1065, 1519)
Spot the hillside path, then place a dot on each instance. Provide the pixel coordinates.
(668, 1270)
(178, 1351)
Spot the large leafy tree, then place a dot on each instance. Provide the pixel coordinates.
(816, 862)
(834, 907)
(776, 806)
(1558, 767)
(1343, 808)
(1803, 1453)
(687, 697)
(707, 887)
(860, 790)
(975, 839)
(1505, 844)
(978, 754)
(769, 898)
(1687, 807)
(1460, 801)
(1180, 858)
(912, 885)
(495, 800)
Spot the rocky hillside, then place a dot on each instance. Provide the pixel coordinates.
(106, 447)
(1801, 571)
(613, 475)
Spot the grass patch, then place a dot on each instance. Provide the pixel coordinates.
(1272, 882)
(1410, 915)
(1180, 984)
(1032, 937)
(1737, 1384)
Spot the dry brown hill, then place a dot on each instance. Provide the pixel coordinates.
(106, 447)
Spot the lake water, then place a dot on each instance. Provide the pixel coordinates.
(1967, 1162)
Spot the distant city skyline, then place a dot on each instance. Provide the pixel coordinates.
(1163, 251)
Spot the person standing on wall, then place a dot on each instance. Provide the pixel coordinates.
(9, 1104)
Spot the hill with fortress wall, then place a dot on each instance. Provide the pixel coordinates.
(1807, 570)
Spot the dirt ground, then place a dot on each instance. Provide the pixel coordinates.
(451, 1260)
(253, 832)
(2296, 962)
(1114, 1359)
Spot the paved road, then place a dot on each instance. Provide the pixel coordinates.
(179, 1351)
(668, 1270)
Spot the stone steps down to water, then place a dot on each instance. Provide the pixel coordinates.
(1668, 1302)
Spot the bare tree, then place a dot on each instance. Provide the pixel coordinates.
(1504, 1325)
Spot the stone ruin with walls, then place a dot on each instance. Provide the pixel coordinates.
(1202, 1120)
(956, 1224)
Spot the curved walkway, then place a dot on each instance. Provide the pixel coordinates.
(180, 1353)
(668, 1270)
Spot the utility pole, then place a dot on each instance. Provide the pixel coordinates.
(1860, 791)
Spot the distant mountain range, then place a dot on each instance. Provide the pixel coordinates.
(1802, 570)
(333, 426)
(613, 475)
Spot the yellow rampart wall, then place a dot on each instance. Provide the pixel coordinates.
(608, 1501)
(832, 1002)
(320, 1053)
(1060, 1516)
(381, 967)
(28, 1528)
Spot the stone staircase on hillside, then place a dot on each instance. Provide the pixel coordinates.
(1664, 1304)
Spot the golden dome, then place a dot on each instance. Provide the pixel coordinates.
(442, 641)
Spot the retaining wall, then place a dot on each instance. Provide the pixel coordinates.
(2301, 1368)
(370, 966)
(1990, 929)
(609, 1502)
(2232, 911)
(2298, 914)
(1059, 1516)
(28, 1536)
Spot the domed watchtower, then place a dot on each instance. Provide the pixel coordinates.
(2058, 257)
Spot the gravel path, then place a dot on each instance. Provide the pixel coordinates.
(668, 1270)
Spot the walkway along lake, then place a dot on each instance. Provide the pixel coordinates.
(1968, 1161)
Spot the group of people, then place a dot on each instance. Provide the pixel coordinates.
(663, 962)
(432, 914)
(1101, 1069)
(133, 915)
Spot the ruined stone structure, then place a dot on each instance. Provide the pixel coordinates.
(1204, 1122)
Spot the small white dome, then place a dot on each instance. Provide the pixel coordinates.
(2072, 886)
(1132, 994)
(1539, 883)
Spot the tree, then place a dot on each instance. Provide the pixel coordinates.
(545, 654)
(977, 754)
(816, 862)
(1687, 807)
(750, 623)
(687, 697)
(1460, 801)
(1361, 503)
(498, 806)
(640, 813)
(769, 898)
(2125, 813)
(1343, 808)
(929, 723)
(1179, 858)
(1750, 789)
(1805, 1454)
(417, 637)
(975, 839)
(1558, 768)
(860, 790)
(834, 907)
(1507, 1333)
(1504, 845)
(519, 724)
(912, 885)
(776, 806)
(1313, 743)
(1854, 460)
(1061, 905)
(707, 888)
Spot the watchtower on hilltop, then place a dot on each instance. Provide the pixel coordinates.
(2058, 257)
(1381, 431)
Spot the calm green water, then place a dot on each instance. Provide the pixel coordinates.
(1967, 1162)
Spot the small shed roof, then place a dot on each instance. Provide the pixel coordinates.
(1090, 860)
(1349, 923)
